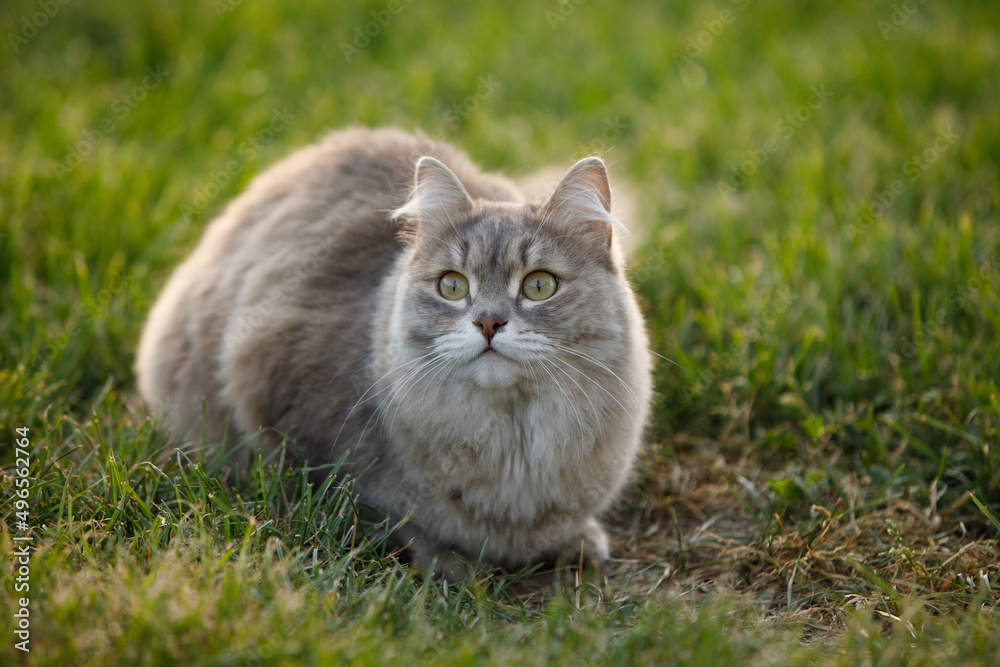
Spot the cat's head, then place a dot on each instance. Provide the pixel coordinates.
(511, 295)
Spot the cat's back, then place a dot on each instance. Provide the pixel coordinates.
(339, 190)
(331, 198)
(301, 250)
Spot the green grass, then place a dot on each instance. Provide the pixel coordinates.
(822, 480)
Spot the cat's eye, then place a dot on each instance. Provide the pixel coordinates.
(539, 285)
(453, 286)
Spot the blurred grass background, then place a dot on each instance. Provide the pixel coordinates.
(823, 268)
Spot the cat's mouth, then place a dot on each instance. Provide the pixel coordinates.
(490, 352)
(492, 369)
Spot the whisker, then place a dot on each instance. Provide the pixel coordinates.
(395, 388)
(577, 452)
(555, 363)
(446, 367)
(373, 385)
(663, 357)
(598, 363)
(431, 372)
(579, 421)
(605, 389)
(566, 339)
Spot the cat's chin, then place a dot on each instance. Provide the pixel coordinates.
(491, 370)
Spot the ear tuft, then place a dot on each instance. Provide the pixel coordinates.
(582, 199)
(438, 196)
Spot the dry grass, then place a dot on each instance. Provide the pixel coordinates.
(704, 521)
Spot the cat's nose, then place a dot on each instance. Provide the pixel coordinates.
(489, 325)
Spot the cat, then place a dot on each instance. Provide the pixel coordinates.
(477, 357)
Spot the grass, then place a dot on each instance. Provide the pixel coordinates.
(819, 253)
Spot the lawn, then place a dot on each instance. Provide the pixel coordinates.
(817, 188)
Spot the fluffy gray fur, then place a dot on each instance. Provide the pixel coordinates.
(311, 308)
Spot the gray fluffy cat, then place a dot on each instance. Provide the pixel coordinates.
(477, 355)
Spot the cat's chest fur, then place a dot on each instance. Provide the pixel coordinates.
(510, 481)
(500, 461)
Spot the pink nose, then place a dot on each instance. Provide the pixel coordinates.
(489, 325)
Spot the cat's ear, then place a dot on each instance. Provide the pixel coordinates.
(438, 196)
(581, 202)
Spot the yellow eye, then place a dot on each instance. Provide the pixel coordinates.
(453, 286)
(539, 285)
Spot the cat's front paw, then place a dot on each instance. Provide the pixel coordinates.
(436, 561)
(441, 565)
(590, 545)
